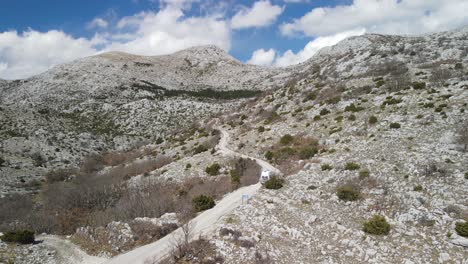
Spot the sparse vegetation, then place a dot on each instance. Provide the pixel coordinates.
(462, 229)
(377, 225)
(18, 236)
(395, 125)
(213, 169)
(274, 183)
(203, 202)
(372, 120)
(348, 192)
(353, 108)
(419, 85)
(286, 139)
(364, 174)
(352, 166)
(326, 167)
(417, 188)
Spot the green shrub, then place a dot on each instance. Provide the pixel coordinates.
(2, 161)
(269, 155)
(348, 192)
(395, 125)
(352, 118)
(235, 177)
(326, 167)
(459, 66)
(188, 166)
(200, 149)
(353, 108)
(372, 120)
(380, 83)
(417, 188)
(274, 183)
(286, 139)
(203, 202)
(307, 152)
(159, 140)
(310, 96)
(462, 229)
(352, 166)
(261, 129)
(317, 118)
(324, 111)
(19, 236)
(339, 118)
(466, 175)
(418, 85)
(333, 100)
(364, 174)
(377, 225)
(213, 169)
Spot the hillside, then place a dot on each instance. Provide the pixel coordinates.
(374, 126)
(114, 101)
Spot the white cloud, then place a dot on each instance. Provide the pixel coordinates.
(262, 57)
(32, 52)
(384, 16)
(290, 58)
(98, 23)
(262, 13)
(146, 33)
(168, 31)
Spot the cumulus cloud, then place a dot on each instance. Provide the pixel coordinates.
(147, 33)
(168, 31)
(32, 52)
(384, 16)
(261, 14)
(262, 57)
(290, 58)
(98, 23)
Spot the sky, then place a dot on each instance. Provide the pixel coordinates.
(36, 35)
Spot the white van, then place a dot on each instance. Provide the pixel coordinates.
(265, 176)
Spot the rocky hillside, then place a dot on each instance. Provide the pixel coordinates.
(389, 116)
(114, 101)
(373, 128)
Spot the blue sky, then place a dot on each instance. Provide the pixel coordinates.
(36, 35)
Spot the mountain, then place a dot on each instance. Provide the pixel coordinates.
(370, 136)
(116, 101)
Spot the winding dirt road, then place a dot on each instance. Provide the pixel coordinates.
(67, 252)
(202, 225)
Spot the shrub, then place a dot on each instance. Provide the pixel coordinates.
(310, 96)
(418, 188)
(19, 236)
(459, 66)
(419, 85)
(286, 139)
(200, 149)
(2, 161)
(395, 125)
(377, 225)
(348, 192)
(159, 140)
(324, 111)
(274, 183)
(188, 166)
(269, 155)
(203, 202)
(235, 177)
(462, 229)
(307, 152)
(326, 167)
(213, 169)
(364, 174)
(353, 108)
(352, 118)
(466, 175)
(261, 129)
(352, 166)
(372, 120)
